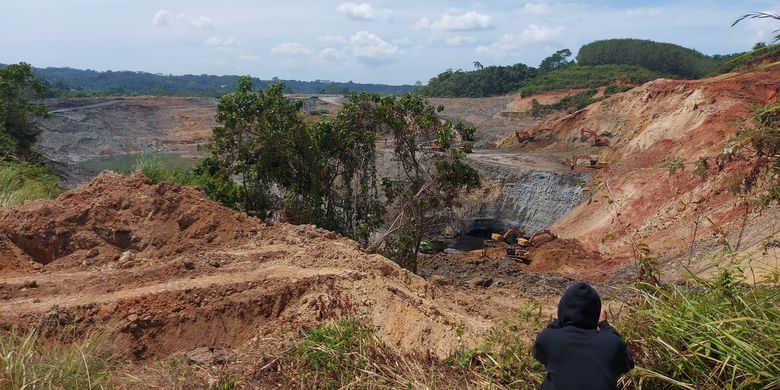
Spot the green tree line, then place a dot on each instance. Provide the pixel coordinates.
(598, 64)
(64, 82)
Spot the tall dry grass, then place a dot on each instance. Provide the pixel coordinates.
(26, 362)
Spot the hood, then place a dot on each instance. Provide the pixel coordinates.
(580, 306)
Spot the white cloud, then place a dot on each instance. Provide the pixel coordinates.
(469, 21)
(162, 18)
(537, 33)
(510, 43)
(332, 54)
(363, 11)
(248, 57)
(372, 50)
(422, 24)
(401, 41)
(643, 12)
(291, 48)
(458, 40)
(537, 9)
(227, 42)
(203, 22)
(333, 39)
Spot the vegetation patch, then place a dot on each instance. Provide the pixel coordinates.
(26, 362)
(713, 334)
(483, 81)
(666, 58)
(581, 76)
(22, 181)
(206, 175)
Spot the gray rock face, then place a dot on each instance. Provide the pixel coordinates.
(521, 197)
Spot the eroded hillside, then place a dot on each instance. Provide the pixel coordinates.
(647, 128)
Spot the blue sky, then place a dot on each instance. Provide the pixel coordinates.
(365, 41)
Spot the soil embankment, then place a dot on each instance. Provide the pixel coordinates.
(174, 271)
(647, 127)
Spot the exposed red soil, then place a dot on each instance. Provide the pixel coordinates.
(650, 125)
(173, 271)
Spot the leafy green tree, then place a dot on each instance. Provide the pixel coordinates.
(19, 113)
(429, 181)
(325, 173)
(256, 137)
(557, 60)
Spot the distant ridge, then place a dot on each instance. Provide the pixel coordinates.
(64, 81)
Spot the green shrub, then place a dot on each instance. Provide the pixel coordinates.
(487, 81)
(348, 354)
(710, 334)
(21, 181)
(334, 354)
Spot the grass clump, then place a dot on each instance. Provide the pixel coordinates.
(505, 360)
(22, 181)
(336, 354)
(206, 175)
(710, 334)
(28, 363)
(349, 354)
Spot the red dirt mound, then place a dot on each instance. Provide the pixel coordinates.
(173, 271)
(95, 224)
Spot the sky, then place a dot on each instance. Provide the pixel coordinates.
(382, 41)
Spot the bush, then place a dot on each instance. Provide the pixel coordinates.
(710, 334)
(23, 181)
(739, 60)
(488, 81)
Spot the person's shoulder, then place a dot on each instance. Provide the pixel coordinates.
(551, 328)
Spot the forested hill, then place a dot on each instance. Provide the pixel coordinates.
(75, 82)
(656, 56)
(599, 63)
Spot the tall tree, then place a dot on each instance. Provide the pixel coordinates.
(19, 111)
(557, 60)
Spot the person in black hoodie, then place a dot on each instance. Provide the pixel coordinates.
(581, 350)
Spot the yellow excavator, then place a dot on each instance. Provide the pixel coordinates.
(513, 240)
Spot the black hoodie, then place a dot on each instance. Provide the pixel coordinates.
(576, 353)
